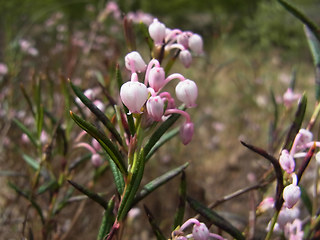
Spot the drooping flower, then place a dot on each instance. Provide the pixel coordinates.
(286, 161)
(134, 62)
(200, 232)
(291, 193)
(187, 92)
(155, 107)
(157, 31)
(185, 58)
(196, 43)
(186, 132)
(156, 78)
(133, 95)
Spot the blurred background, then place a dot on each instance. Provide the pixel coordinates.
(252, 47)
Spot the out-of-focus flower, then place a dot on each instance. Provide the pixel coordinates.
(196, 43)
(3, 69)
(287, 215)
(187, 92)
(294, 231)
(286, 161)
(140, 17)
(27, 47)
(134, 95)
(289, 97)
(265, 205)
(185, 58)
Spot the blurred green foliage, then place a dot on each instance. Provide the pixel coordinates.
(259, 23)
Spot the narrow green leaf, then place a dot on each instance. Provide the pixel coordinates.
(215, 218)
(117, 176)
(50, 185)
(95, 197)
(32, 201)
(79, 161)
(298, 14)
(314, 46)
(306, 200)
(107, 220)
(97, 112)
(178, 220)
(155, 228)
(25, 130)
(39, 120)
(26, 96)
(165, 138)
(31, 162)
(106, 144)
(297, 122)
(159, 181)
(64, 202)
(159, 132)
(133, 185)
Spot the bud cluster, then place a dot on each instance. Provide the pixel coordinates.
(185, 41)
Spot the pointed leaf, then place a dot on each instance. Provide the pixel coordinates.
(95, 197)
(178, 220)
(117, 176)
(155, 228)
(165, 138)
(31, 162)
(215, 218)
(106, 144)
(159, 181)
(107, 220)
(297, 122)
(298, 14)
(26, 131)
(50, 185)
(25, 195)
(97, 112)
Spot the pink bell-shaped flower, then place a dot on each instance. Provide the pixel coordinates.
(155, 108)
(196, 43)
(183, 39)
(156, 78)
(286, 161)
(96, 160)
(291, 195)
(186, 132)
(134, 95)
(187, 92)
(185, 58)
(134, 62)
(157, 31)
(200, 232)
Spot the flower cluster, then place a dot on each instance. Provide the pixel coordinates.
(135, 94)
(184, 41)
(199, 231)
(159, 104)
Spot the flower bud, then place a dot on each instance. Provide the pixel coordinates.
(187, 92)
(96, 160)
(200, 232)
(134, 62)
(155, 107)
(185, 58)
(157, 31)
(95, 144)
(196, 43)
(134, 95)
(186, 132)
(305, 137)
(291, 195)
(156, 78)
(286, 161)
(183, 39)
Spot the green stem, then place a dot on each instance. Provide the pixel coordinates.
(273, 223)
